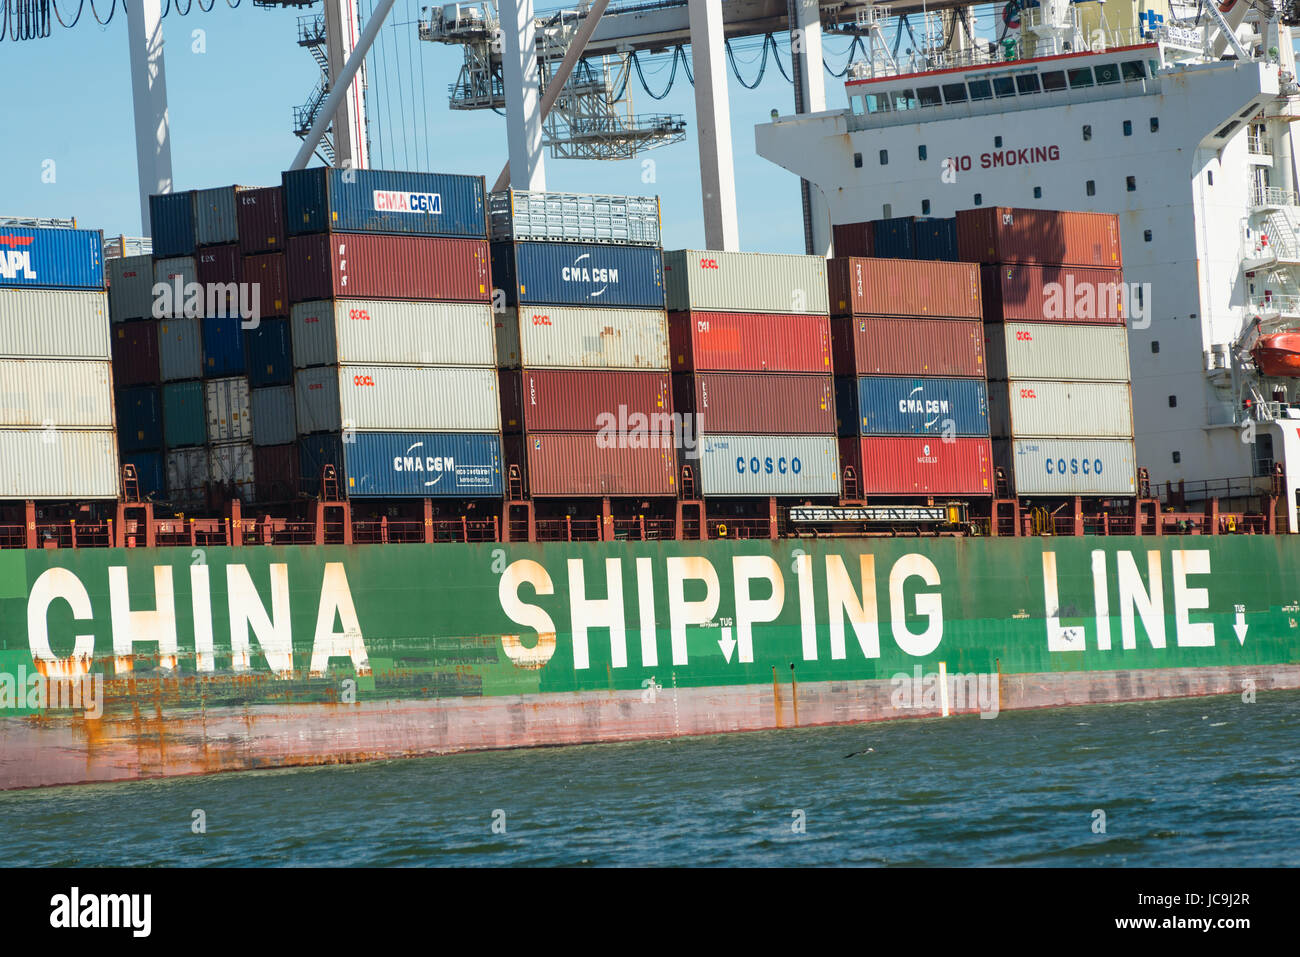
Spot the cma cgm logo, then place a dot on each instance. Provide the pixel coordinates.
(583, 271)
(767, 465)
(437, 465)
(393, 201)
(15, 264)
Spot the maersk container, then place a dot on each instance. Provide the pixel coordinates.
(322, 199)
(406, 464)
(65, 393)
(130, 288)
(216, 215)
(1075, 294)
(585, 464)
(392, 331)
(894, 238)
(270, 283)
(180, 276)
(275, 473)
(889, 405)
(1050, 350)
(903, 287)
(150, 472)
(139, 418)
(579, 274)
(187, 475)
(757, 403)
(54, 323)
(275, 421)
(749, 342)
(582, 337)
(936, 239)
(580, 401)
(184, 414)
(270, 358)
(227, 409)
(135, 352)
(767, 465)
(171, 218)
(523, 216)
(230, 467)
(999, 234)
(397, 399)
(908, 465)
(260, 215)
(223, 347)
(707, 280)
(356, 265)
(852, 239)
(927, 347)
(1042, 408)
(78, 464)
(1068, 466)
(51, 258)
(180, 349)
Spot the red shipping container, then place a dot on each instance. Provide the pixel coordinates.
(999, 234)
(748, 342)
(582, 401)
(1053, 294)
(757, 403)
(275, 472)
(853, 239)
(215, 265)
(903, 287)
(260, 214)
(918, 465)
(929, 347)
(376, 266)
(135, 353)
(268, 272)
(575, 464)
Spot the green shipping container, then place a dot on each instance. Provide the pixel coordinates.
(184, 415)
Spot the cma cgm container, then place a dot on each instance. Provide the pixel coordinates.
(581, 337)
(180, 349)
(322, 199)
(711, 281)
(768, 465)
(581, 401)
(184, 418)
(54, 323)
(46, 257)
(928, 347)
(884, 405)
(363, 266)
(216, 216)
(67, 393)
(270, 358)
(749, 342)
(998, 234)
(171, 218)
(758, 403)
(1042, 408)
(79, 464)
(1053, 294)
(227, 407)
(260, 214)
(1068, 466)
(397, 399)
(579, 274)
(267, 274)
(139, 418)
(130, 288)
(522, 216)
(908, 465)
(135, 352)
(852, 239)
(405, 464)
(579, 464)
(1050, 350)
(901, 287)
(383, 331)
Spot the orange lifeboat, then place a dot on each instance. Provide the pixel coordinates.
(1278, 354)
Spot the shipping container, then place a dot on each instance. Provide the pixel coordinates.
(902, 287)
(765, 465)
(270, 358)
(397, 399)
(52, 258)
(523, 216)
(218, 272)
(171, 216)
(757, 403)
(274, 420)
(707, 280)
(227, 408)
(912, 465)
(79, 464)
(1068, 467)
(223, 347)
(216, 218)
(936, 239)
(749, 342)
(388, 267)
(1042, 408)
(54, 323)
(894, 238)
(187, 475)
(578, 274)
(130, 288)
(887, 405)
(270, 284)
(321, 199)
(585, 464)
(852, 239)
(135, 352)
(628, 403)
(998, 234)
(62, 393)
(405, 464)
(180, 349)
(150, 472)
(275, 472)
(392, 331)
(1053, 294)
(925, 347)
(180, 277)
(582, 337)
(1051, 350)
(260, 215)
(139, 418)
(230, 467)
(184, 415)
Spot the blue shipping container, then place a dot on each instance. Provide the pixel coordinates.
(893, 238)
(579, 274)
(223, 347)
(149, 470)
(319, 200)
(42, 258)
(185, 414)
(889, 405)
(406, 464)
(270, 360)
(139, 419)
(171, 216)
(937, 239)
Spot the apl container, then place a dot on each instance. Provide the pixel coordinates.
(397, 399)
(223, 347)
(135, 352)
(230, 466)
(62, 393)
(379, 201)
(766, 465)
(523, 216)
(75, 464)
(388, 267)
(887, 405)
(171, 218)
(1051, 350)
(180, 349)
(1068, 466)
(150, 472)
(260, 215)
(749, 342)
(586, 464)
(139, 418)
(999, 234)
(270, 359)
(757, 403)
(582, 337)
(275, 473)
(927, 347)
(182, 297)
(900, 287)
(852, 239)
(275, 422)
(130, 288)
(187, 475)
(406, 464)
(907, 465)
(707, 280)
(270, 284)
(1041, 408)
(579, 274)
(184, 415)
(215, 215)
(621, 404)
(1073, 294)
(227, 409)
(54, 323)
(384, 331)
(51, 258)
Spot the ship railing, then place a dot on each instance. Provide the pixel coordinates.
(568, 529)
(1282, 303)
(1272, 197)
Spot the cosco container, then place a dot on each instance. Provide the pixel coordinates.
(135, 352)
(759, 403)
(388, 267)
(171, 218)
(275, 421)
(150, 472)
(130, 288)
(187, 475)
(908, 465)
(998, 234)
(260, 214)
(1068, 466)
(901, 287)
(397, 399)
(51, 258)
(184, 414)
(522, 216)
(227, 407)
(582, 337)
(768, 465)
(1054, 294)
(579, 274)
(383, 331)
(620, 404)
(180, 349)
(63, 393)
(1050, 350)
(181, 278)
(928, 347)
(1042, 408)
(223, 347)
(275, 473)
(852, 239)
(885, 405)
(270, 359)
(749, 342)
(230, 467)
(139, 418)
(894, 238)
(321, 199)
(216, 218)
(54, 323)
(406, 464)
(582, 464)
(707, 280)
(78, 464)
(268, 282)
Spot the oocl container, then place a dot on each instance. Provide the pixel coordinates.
(1000, 234)
(78, 464)
(1049, 350)
(216, 215)
(583, 464)
(171, 218)
(184, 415)
(886, 405)
(1042, 408)
(361, 266)
(180, 349)
(180, 277)
(711, 281)
(905, 465)
(397, 399)
(260, 214)
(758, 403)
(187, 474)
(927, 347)
(380, 201)
(227, 408)
(522, 216)
(54, 323)
(63, 393)
(130, 288)
(405, 464)
(581, 337)
(1068, 466)
(269, 284)
(579, 274)
(52, 258)
(275, 422)
(270, 359)
(749, 342)
(384, 331)
(135, 352)
(1073, 294)
(901, 287)
(620, 403)
(766, 465)
(139, 418)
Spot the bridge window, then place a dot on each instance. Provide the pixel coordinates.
(928, 95)
(1080, 77)
(954, 92)
(1107, 73)
(858, 105)
(1133, 70)
(878, 103)
(1027, 83)
(1004, 86)
(1054, 80)
(904, 100)
(980, 90)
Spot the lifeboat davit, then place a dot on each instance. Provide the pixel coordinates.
(1278, 354)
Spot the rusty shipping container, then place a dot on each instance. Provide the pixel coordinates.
(911, 347)
(582, 464)
(260, 213)
(1042, 408)
(739, 403)
(1053, 294)
(749, 342)
(266, 273)
(135, 352)
(916, 465)
(581, 337)
(1000, 234)
(364, 266)
(853, 239)
(1057, 350)
(581, 401)
(903, 287)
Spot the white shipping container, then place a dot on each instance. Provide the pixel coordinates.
(767, 465)
(180, 349)
(397, 399)
(231, 463)
(59, 464)
(709, 280)
(187, 474)
(583, 337)
(1068, 466)
(54, 324)
(170, 271)
(1042, 408)
(381, 331)
(65, 393)
(228, 410)
(130, 288)
(1055, 350)
(274, 420)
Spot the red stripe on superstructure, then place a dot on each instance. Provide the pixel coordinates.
(1000, 66)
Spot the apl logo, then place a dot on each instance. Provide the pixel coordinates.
(13, 261)
(394, 201)
(585, 272)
